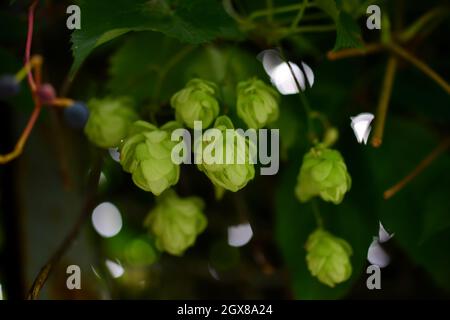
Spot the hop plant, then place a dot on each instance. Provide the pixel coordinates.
(328, 257)
(257, 103)
(146, 154)
(323, 173)
(109, 121)
(230, 176)
(176, 222)
(196, 102)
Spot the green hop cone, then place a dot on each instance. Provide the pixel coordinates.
(176, 222)
(196, 102)
(257, 103)
(230, 175)
(109, 121)
(323, 173)
(146, 154)
(328, 257)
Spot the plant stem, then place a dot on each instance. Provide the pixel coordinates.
(283, 9)
(304, 101)
(299, 15)
(317, 215)
(383, 103)
(23, 138)
(173, 61)
(269, 5)
(229, 8)
(444, 145)
(420, 65)
(26, 69)
(35, 63)
(31, 12)
(437, 13)
(355, 52)
(89, 203)
(305, 29)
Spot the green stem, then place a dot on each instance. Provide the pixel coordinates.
(437, 13)
(269, 4)
(285, 32)
(303, 99)
(299, 15)
(317, 215)
(322, 119)
(228, 6)
(283, 9)
(174, 60)
(314, 16)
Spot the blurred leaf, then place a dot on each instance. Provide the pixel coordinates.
(436, 214)
(415, 94)
(195, 21)
(348, 33)
(329, 7)
(415, 213)
(226, 66)
(155, 75)
(136, 68)
(355, 8)
(222, 256)
(289, 125)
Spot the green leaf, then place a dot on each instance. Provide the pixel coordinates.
(139, 71)
(195, 21)
(348, 33)
(417, 214)
(329, 7)
(436, 218)
(355, 8)
(155, 75)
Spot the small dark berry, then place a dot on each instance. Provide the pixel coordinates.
(76, 115)
(46, 93)
(8, 86)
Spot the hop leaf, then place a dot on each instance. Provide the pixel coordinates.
(196, 102)
(323, 173)
(146, 154)
(257, 103)
(109, 121)
(176, 222)
(328, 257)
(234, 175)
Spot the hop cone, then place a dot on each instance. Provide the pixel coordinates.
(175, 222)
(230, 176)
(257, 103)
(196, 102)
(109, 121)
(146, 154)
(328, 257)
(323, 173)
